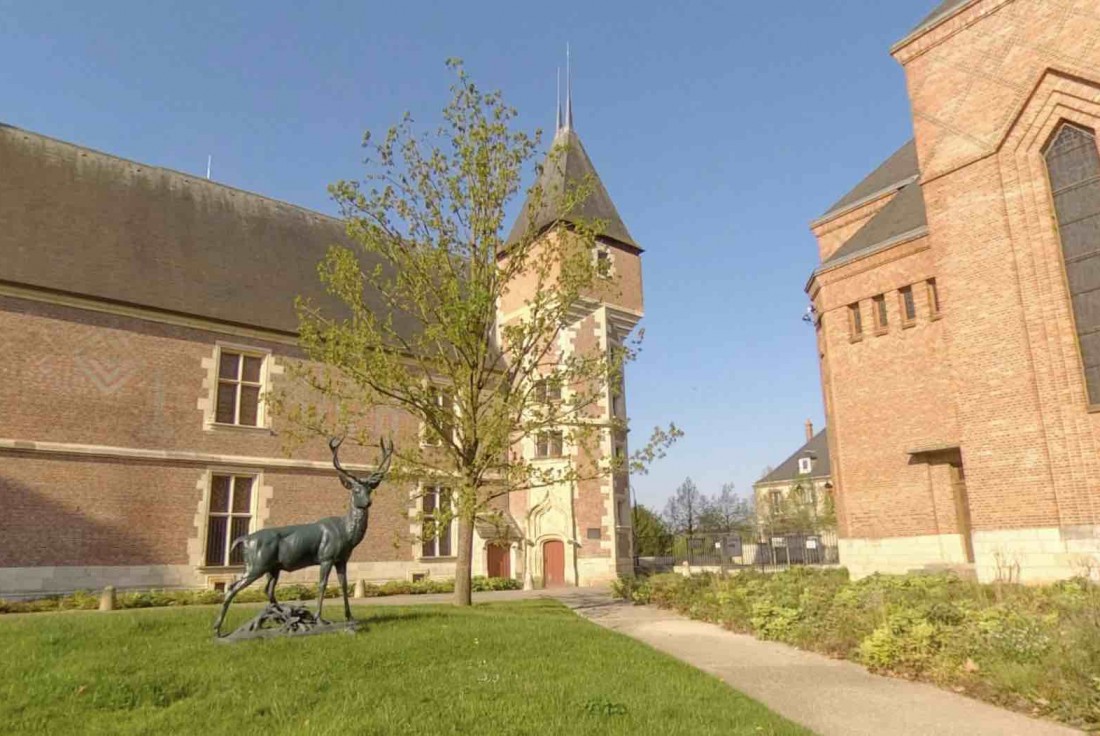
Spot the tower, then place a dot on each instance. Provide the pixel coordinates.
(581, 535)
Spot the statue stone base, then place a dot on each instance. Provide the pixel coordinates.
(286, 620)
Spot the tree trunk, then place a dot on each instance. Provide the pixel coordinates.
(464, 564)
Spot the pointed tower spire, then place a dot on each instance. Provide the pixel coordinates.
(568, 90)
(557, 101)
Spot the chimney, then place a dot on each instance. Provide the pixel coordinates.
(809, 430)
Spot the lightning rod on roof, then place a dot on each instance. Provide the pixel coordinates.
(557, 102)
(568, 89)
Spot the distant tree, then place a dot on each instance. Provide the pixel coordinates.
(727, 513)
(652, 537)
(768, 469)
(684, 510)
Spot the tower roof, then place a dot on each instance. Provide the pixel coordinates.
(571, 168)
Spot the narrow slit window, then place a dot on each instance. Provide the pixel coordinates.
(855, 321)
(882, 321)
(933, 299)
(908, 305)
(1073, 164)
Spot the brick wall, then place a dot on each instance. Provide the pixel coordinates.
(1000, 375)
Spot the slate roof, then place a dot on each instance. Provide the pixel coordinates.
(78, 221)
(904, 214)
(817, 447)
(571, 168)
(900, 167)
(944, 9)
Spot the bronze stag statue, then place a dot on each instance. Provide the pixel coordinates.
(327, 543)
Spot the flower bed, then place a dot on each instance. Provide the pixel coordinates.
(1034, 649)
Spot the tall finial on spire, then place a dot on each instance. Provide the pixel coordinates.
(557, 101)
(568, 90)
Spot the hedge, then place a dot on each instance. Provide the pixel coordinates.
(88, 600)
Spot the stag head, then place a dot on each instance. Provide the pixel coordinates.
(361, 488)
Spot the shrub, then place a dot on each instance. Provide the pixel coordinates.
(86, 600)
(1031, 648)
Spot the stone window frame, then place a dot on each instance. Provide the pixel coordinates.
(855, 322)
(263, 415)
(550, 444)
(1093, 130)
(805, 465)
(904, 305)
(436, 490)
(880, 314)
(603, 249)
(935, 309)
(258, 485)
(428, 441)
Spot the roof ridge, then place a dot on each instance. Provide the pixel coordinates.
(167, 170)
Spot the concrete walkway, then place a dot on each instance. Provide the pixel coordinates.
(830, 697)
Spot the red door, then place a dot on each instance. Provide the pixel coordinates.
(553, 564)
(500, 563)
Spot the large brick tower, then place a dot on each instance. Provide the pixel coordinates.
(580, 534)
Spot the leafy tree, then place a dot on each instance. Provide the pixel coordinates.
(727, 513)
(652, 537)
(426, 225)
(685, 509)
(802, 510)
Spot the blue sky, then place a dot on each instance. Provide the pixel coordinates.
(720, 128)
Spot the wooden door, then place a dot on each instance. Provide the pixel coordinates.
(553, 564)
(499, 561)
(962, 507)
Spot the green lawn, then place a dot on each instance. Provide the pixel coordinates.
(531, 667)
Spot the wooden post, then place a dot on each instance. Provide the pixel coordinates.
(360, 589)
(107, 599)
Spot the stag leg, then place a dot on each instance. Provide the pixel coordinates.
(230, 594)
(342, 576)
(272, 581)
(326, 567)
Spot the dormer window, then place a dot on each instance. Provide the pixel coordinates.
(805, 465)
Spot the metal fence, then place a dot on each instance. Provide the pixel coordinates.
(728, 552)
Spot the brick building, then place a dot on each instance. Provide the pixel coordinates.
(959, 305)
(143, 313)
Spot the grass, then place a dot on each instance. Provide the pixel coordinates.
(530, 667)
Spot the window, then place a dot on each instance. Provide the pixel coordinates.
(1073, 163)
(933, 299)
(437, 522)
(775, 500)
(908, 306)
(239, 384)
(594, 533)
(229, 516)
(548, 391)
(882, 322)
(549, 444)
(603, 261)
(855, 322)
(805, 465)
(445, 401)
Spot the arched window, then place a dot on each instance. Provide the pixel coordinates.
(1073, 162)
